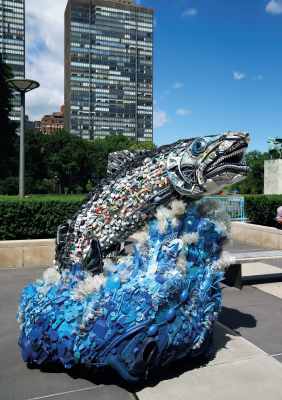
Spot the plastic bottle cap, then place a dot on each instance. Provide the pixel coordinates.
(170, 329)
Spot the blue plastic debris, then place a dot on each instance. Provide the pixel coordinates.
(163, 308)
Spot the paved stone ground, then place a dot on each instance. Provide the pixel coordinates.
(246, 363)
(256, 312)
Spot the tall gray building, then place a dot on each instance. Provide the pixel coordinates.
(12, 42)
(108, 69)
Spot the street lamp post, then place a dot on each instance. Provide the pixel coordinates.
(22, 85)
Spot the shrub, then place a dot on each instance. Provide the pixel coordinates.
(10, 186)
(78, 189)
(89, 186)
(45, 186)
(35, 217)
(262, 209)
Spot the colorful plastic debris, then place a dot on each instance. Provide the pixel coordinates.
(150, 309)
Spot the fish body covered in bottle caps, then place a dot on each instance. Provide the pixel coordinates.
(140, 181)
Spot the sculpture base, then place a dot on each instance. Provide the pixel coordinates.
(273, 177)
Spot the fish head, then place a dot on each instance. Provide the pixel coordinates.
(203, 166)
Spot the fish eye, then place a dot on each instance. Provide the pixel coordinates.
(198, 147)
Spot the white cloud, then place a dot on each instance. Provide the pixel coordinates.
(259, 77)
(274, 7)
(165, 93)
(238, 75)
(155, 21)
(160, 118)
(178, 3)
(155, 101)
(189, 13)
(178, 85)
(45, 56)
(183, 112)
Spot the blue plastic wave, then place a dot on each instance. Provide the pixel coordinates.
(163, 311)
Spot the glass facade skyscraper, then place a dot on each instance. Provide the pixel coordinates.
(108, 69)
(12, 43)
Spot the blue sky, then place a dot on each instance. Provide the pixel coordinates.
(217, 66)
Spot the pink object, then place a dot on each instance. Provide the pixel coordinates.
(279, 214)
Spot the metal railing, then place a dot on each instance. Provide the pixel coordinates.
(233, 206)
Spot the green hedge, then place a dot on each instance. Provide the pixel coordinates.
(35, 217)
(262, 209)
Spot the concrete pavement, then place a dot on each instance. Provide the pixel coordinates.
(21, 381)
(238, 370)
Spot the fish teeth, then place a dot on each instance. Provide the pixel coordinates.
(228, 156)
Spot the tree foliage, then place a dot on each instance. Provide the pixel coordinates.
(143, 146)
(70, 158)
(254, 183)
(66, 156)
(8, 127)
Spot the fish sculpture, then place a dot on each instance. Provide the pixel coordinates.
(159, 305)
(137, 183)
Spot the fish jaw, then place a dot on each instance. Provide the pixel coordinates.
(223, 164)
(197, 173)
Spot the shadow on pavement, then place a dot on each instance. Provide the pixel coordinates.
(235, 319)
(111, 377)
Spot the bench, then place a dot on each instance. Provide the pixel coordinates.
(233, 275)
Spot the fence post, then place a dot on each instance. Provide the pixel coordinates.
(234, 206)
(243, 205)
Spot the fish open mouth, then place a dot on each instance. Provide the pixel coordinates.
(229, 163)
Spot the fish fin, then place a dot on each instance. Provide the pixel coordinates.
(117, 160)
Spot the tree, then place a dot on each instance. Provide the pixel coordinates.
(8, 127)
(45, 186)
(99, 149)
(89, 186)
(254, 183)
(72, 159)
(9, 186)
(117, 142)
(35, 166)
(98, 153)
(67, 157)
(143, 146)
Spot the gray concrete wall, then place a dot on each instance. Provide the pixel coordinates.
(257, 234)
(273, 177)
(41, 252)
(26, 253)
